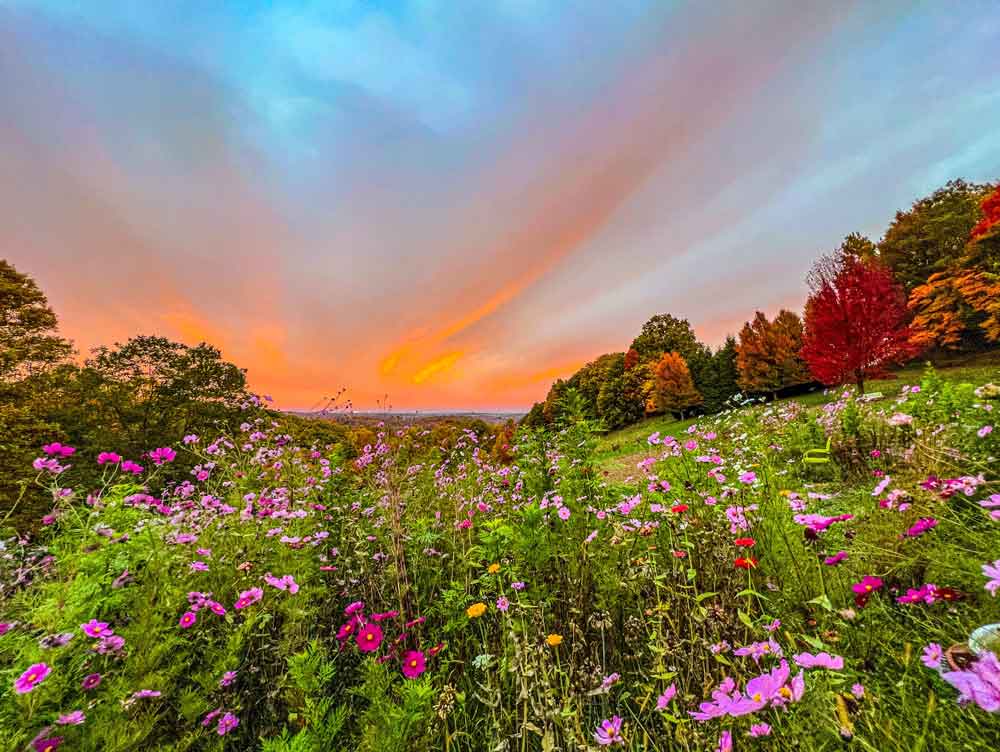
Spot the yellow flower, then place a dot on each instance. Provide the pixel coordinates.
(553, 640)
(493, 568)
(476, 610)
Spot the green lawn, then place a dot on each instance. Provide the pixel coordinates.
(618, 451)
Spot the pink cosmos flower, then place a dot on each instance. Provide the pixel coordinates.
(725, 742)
(248, 598)
(108, 458)
(74, 718)
(610, 732)
(217, 608)
(354, 607)
(96, 629)
(663, 701)
(868, 585)
(760, 729)
(227, 678)
(47, 744)
(226, 724)
(502, 603)
(980, 683)
(563, 513)
(55, 448)
(198, 566)
(758, 650)
(984, 432)
(90, 681)
(820, 660)
(31, 678)
(128, 466)
(144, 693)
(921, 526)
(858, 690)
(187, 620)
(414, 664)
(832, 561)
(933, 654)
(369, 637)
(748, 477)
(992, 572)
(162, 455)
(210, 716)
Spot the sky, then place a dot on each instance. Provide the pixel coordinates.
(448, 204)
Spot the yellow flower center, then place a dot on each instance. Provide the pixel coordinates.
(868, 588)
(413, 663)
(785, 692)
(756, 697)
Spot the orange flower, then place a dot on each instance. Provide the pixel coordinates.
(493, 568)
(553, 640)
(476, 610)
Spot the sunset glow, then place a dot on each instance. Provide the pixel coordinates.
(452, 204)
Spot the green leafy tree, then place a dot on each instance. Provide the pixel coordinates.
(150, 391)
(932, 233)
(29, 343)
(665, 333)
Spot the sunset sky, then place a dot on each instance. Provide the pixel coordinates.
(453, 203)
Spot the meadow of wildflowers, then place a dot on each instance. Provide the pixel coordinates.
(426, 596)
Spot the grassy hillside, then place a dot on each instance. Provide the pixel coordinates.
(428, 597)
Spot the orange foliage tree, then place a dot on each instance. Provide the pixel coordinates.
(767, 355)
(965, 297)
(673, 387)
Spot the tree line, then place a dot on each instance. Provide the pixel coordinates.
(931, 283)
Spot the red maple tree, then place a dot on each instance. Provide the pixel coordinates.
(856, 322)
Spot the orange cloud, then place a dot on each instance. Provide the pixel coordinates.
(435, 367)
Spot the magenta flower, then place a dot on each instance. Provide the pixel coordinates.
(748, 478)
(217, 608)
(503, 603)
(369, 637)
(609, 732)
(820, 660)
(55, 448)
(75, 718)
(187, 620)
(128, 466)
(227, 678)
(760, 729)
(210, 716)
(248, 598)
(984, 432)
(867, 586)
(96, 629)
(414, 664)
(932, 656)
(31, 678)
(663, 701)
(108, 458)
(226, 724)
(832, 561)
(90, 681)
(921, 526)
(353, 608)
(162, 455)
(858, 690)
(47, 744)
(144, 693)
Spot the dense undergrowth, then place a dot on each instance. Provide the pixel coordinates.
(726, 596)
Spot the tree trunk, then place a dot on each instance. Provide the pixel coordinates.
(860, 380)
